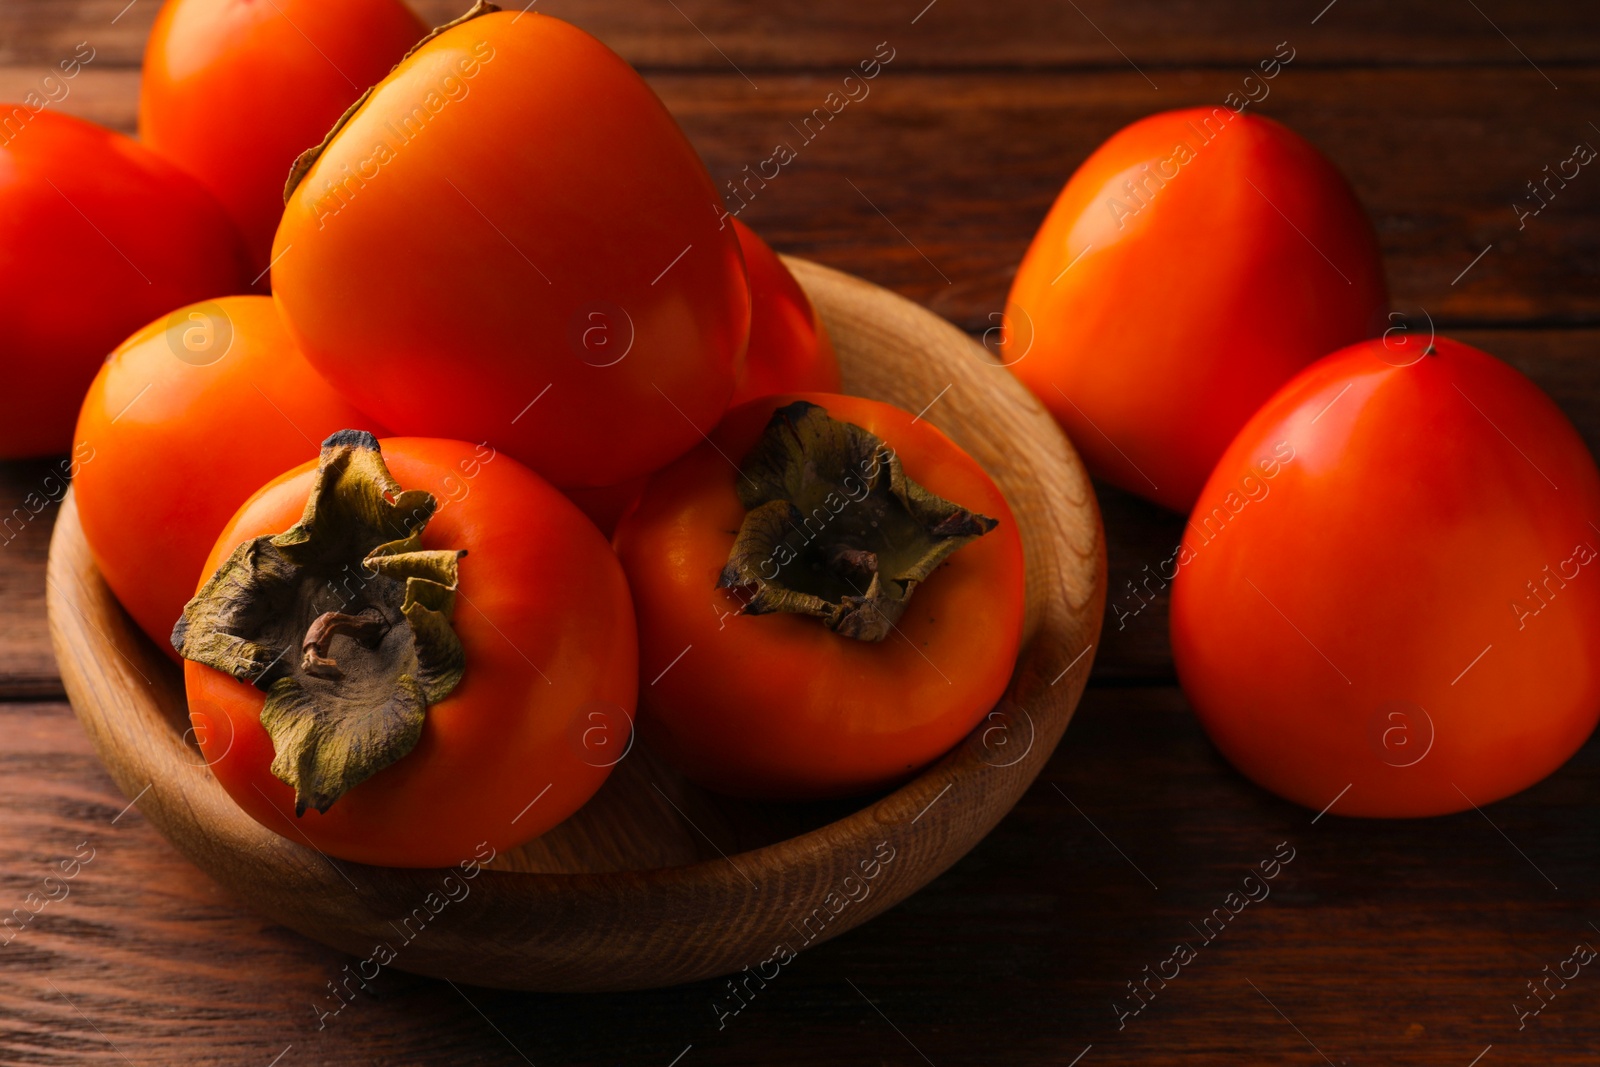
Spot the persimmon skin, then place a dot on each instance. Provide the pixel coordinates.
(1355, 622)
(777, 706)
(98, 235)
(172, 439)
(1155, 346)
(512, 240)
(234, 90)
(544, 616)
(790, 351)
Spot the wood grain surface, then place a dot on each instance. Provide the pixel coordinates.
(819, 34)
(1395, 944)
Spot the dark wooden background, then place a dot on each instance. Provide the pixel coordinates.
(1382, 943)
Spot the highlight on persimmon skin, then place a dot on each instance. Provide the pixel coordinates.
(99, 236)
(512, 240)
(780, 705)
(234, 90)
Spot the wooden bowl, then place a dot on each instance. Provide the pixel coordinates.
(655, 881)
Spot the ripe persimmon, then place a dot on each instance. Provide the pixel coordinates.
(1193, 264)
(511, 240)
(406, 650)
(829, 617)
(234, 90)
(1385, 597)
(98, 235)
(185, 420)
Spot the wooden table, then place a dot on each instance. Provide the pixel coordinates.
(1381, 943)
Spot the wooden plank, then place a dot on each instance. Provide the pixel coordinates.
(29, 492)
(1403, 943)
(963, 168)
(791, 34)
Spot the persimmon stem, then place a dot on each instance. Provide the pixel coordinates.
(367, 626)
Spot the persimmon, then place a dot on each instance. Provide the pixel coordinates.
(408, 649)
(829, 617)
(511, 240)
(98, 235)
(1193, 264)
(1386, 598)
(790, 352)
(185, 420)
(234, 90)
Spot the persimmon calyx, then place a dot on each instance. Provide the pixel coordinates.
(834, 528)
(343, 620)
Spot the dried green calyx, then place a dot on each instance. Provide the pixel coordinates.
(343, 620)
(833, 527)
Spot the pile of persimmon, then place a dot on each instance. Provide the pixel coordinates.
(1381, 600)
(397, 366)
(453, 424)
